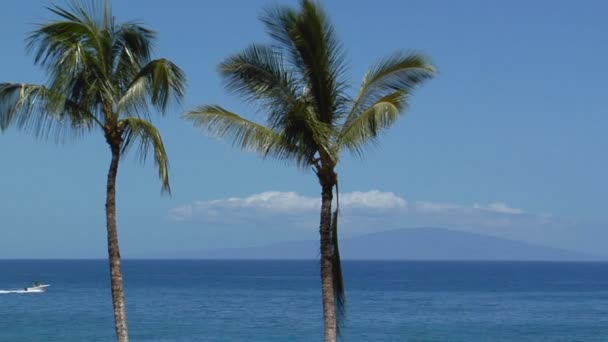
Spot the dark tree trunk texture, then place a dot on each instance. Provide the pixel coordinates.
(118, 293)
(327, 274)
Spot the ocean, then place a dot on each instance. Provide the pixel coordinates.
(204, 300)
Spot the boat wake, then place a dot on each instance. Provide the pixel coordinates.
(37, 287)
(20, 291)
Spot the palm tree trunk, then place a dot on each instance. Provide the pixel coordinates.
(118, 293)
(327, 274)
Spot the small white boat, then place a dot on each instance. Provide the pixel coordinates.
(37, 287)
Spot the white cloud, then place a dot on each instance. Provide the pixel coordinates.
(282, 203)
(359, 203)
(271, 200)
(183, 213)
(372, 200)
(426, 207)
(498, 207)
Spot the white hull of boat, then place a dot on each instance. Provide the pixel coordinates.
(37, 288)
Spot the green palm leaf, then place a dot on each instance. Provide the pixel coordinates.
(399, 72)
(258, 75)
(156, 84)
(147, 138)
(131, 49)
(17, 98)
(366, 127)
(245, 134)
(51, 42)
(37, 109)
(132, 45)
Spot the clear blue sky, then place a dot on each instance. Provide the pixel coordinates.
(514, 124)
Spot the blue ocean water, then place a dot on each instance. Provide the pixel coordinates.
(280, 301)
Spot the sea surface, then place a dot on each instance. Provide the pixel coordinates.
(270, 301)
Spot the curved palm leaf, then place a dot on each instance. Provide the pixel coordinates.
(132, 44)
(244, 133)
(156, 83)
(397, 72)
(259, 75)
(42, 111)
(50, 41)
(131, 50)
(18, 98)
(365, 127)
(146, 137)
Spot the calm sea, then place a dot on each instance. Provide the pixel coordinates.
(280, 301)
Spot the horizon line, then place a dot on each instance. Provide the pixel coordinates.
(317, 260)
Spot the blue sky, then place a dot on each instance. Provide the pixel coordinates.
(508, 140)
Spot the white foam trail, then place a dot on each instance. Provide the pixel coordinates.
(19, 291)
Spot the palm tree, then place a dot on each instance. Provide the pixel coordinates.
(298, 81)
(100, 76)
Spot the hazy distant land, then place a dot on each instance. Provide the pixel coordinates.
(408, 244)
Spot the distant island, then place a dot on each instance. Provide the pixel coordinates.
(409, 244)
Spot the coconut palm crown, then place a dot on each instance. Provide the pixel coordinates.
(100, 75)
(298, 82)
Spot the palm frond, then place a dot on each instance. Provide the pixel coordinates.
(142, 133)
(398, 72)
(158, 82)
(245, 134)
(77, 26)
(309, 40)
(338, 276)
(365, 127)
(258, 74)
(37, 109)
(16, 98)
(132, 49)
(81, 83)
